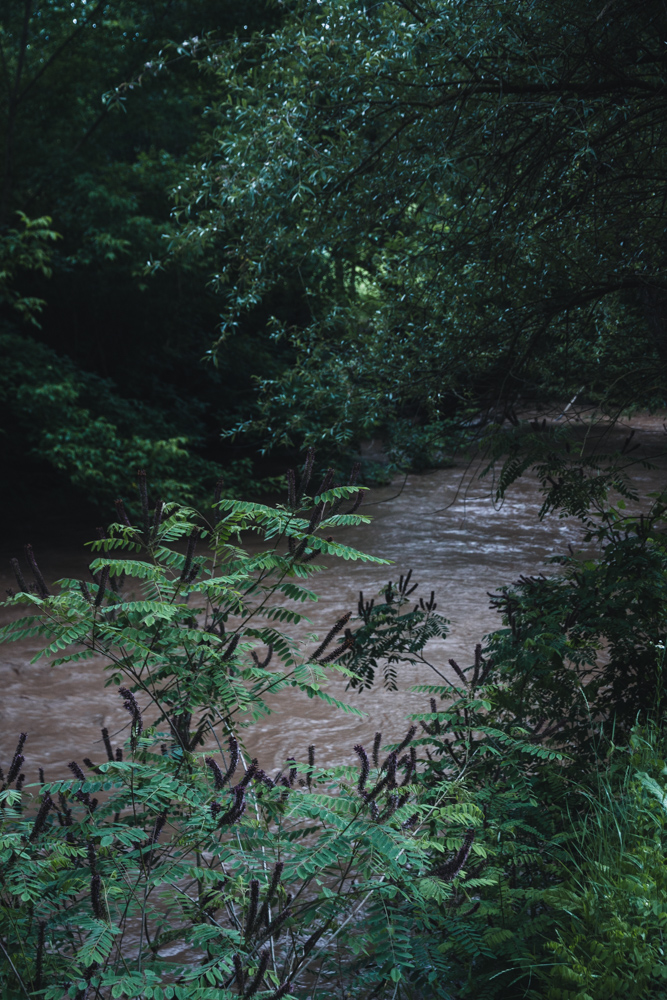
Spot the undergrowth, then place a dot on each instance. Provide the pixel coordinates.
(508, 843)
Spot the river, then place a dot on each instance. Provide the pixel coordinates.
(444, 525)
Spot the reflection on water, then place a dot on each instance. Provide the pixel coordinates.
(456, 540)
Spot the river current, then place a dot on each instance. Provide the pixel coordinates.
(444, 525)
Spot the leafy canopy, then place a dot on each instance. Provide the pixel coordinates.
(470, 195)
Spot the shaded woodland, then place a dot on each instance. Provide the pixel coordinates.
(235, 246)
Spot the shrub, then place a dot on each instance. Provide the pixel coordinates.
(487, 853)
(609, 913)
(166, 870)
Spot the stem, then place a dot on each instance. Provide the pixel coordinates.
(14, 970)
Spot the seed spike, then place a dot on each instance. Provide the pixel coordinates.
(479, 663)
(96, 897)
(233, 744)
(40, 818)
(238, 972)
(262, 917)
(17, 760)
(311, 765)
(454, 665)
(409, 736)
(347, 644)
(189, 553)
(36, 572)
(218, 776)
(291, 489)
(410, 767)
(250, 774)
(20, 579)
(122, 513)
(158, 826)
(450, 869)
(157, 517)
(389, 779)
(92, 860)
(39, 960)
(130, 705)
(237, 808)
(307, 472)
(107, 743)
(357, 503)
(259, 977)
(331, 634)
(376, 749)
(365, 767)
(102, 586)
(327, 481)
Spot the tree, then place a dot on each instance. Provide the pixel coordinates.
(100, 110)
(470, 194)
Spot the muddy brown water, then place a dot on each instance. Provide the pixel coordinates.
(443, 525)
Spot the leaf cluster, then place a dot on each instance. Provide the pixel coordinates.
(468, 193)
(509, 846)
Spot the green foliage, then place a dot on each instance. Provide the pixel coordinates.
(414, 217)
(539, 731)
(416, 446)
(152, 889)
(576, 478)
(588, 644)
(566, 898)
(183, 633)
(466, 193)
(151, 874)
(488, 854)
(389, 633)
(100, 109)
(609, 913)
(79, 424)
(25, 249)
(517, 785)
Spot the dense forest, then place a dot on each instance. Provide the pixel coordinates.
(237, 243)
(225, 241)
(103, 357)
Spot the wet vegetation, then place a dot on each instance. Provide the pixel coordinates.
(509, 843)
(230, 239)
